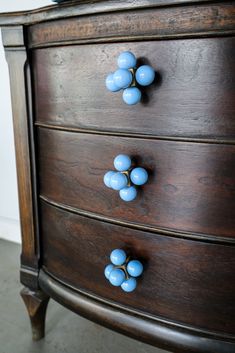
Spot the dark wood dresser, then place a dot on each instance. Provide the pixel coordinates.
(69, 128)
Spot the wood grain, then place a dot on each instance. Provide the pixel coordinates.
(152, 23)
(185, 300)
(36, 304)
(85, 7)
(160, 333)
(190, 282)
(17, 59)
(193, 95)
(191, 185)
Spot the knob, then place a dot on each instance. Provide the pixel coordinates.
(126, 60)
(145, 75)
(118, 257)
(123, 270)
(117, 277)
(125, 179)
(110, 84)
(122, 162)
(128, 77)
(118, 181)
(128, 193)
(139, 176)
(122, 78)
(131, 95)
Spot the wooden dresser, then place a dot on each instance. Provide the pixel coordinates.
(68, 129)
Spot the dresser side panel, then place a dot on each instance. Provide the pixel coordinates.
(16, 55)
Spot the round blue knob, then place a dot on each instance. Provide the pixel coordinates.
(134, 268)
(122, 78)
(131, 95)
(128, 193)
(117, 277)
(139, 176)
(108, 270)
(145, 75)
(129, 285)
(118, 257)
(107, 178)
(122, 162)
(110, 84)
(118, 181)
(126, 60)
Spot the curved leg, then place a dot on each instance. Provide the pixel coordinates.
(36, 304)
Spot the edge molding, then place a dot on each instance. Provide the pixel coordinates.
(163, 335)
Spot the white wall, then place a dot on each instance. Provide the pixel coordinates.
(9, 213)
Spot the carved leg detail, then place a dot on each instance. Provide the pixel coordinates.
(36, 304)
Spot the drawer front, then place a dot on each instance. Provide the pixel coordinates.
(187, 281)
(193, 94)
(191, 187)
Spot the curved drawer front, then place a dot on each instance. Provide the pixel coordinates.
(191, 186)
(192, 96)
(187, 281)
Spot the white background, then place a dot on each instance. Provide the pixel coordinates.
(9, 213)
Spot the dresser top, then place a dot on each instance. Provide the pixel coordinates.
(84, 7)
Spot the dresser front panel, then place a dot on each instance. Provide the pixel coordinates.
(193, 94)
(187, 281)
(191, 186)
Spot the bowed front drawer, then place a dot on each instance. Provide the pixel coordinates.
(192, 94)
(191, 186)
(179, 276)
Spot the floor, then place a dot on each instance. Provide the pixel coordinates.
(65, 331)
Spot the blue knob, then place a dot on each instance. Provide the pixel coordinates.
(108, 270)
(134, 268)
(122, 271)
(126, 178)
(145, 75)
(107, 178)
(139, 176)
(122, 78)
(118, 181)
(111, 86)
(126, 60)
(118, 257)
(117, 277)
(128, 193)
(122, 162)
(129, 285)
(131, 95)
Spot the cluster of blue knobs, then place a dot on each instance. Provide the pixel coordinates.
(122, 179)
(125, 77)
(122, 271)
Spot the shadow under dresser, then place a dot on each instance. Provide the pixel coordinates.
(69, 128)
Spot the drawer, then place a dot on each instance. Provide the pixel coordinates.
(191, 188)
(186, 281)
(193, 94)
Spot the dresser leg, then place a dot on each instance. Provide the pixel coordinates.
(36, 304)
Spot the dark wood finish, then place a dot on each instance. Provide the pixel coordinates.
(148, 23)
(182, 223)
(85, 7)
(193, 95)
(17, 59)
(190, 189)
(190, 282)
(36, 304)
(151, 330)
(29, 276)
